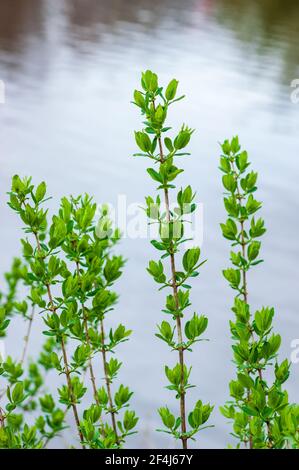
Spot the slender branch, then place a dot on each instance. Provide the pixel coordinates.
(26, 342)
(65, 358)
(245, 292)
(49, 438)
(2, 418)
(90, 366)
(154, 105)
(27, 337)
(69, 383)
(108, 388)
(243, 243)
(178, 320)
(244, 282)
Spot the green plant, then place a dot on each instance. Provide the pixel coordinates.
(89, 247)
(13, 278)
(260, 410)
(23, 382)
(161, 150)
(70, 273)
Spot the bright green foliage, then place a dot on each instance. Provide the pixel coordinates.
(95, 272)
(260, 410)
(23, 391)
(162, 150)
(8, 299)
(70, 274)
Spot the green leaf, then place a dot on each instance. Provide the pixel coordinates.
(130, 420)
(18, 392)
(196, 326)
(143, 141)
(156, 270)
(229, 230)
(229, 183)
(225, 165)
(282, 372)
(168, 144)
(155, 175)
(139, 99)
(253, 250)
(233, 276)
(149, 81)
(167, 417)
(236, 389)
(190, 258)
(242, 161)
(171, 90)
(181, 140)
(40, 192)
(263, 320)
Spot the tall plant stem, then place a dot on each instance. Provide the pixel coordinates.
(26, 342)
(27, 337)
(244, 282)
(245, 298)
(49, 438)
(65, 358)
(107, 381)
(90, 366)
(184, 439)
(2, 418)
(243, 243)
(69, 383)
(243, 246)
(245, 291)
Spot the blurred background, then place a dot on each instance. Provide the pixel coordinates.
(70, 67)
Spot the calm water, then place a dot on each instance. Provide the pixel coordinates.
(70, 67)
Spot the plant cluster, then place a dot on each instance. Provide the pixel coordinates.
(260, 409)
(69, 270)
(24, 390)
(182, 334)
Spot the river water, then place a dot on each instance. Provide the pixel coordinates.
(69, 68)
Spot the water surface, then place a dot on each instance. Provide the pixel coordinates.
(70, 67)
